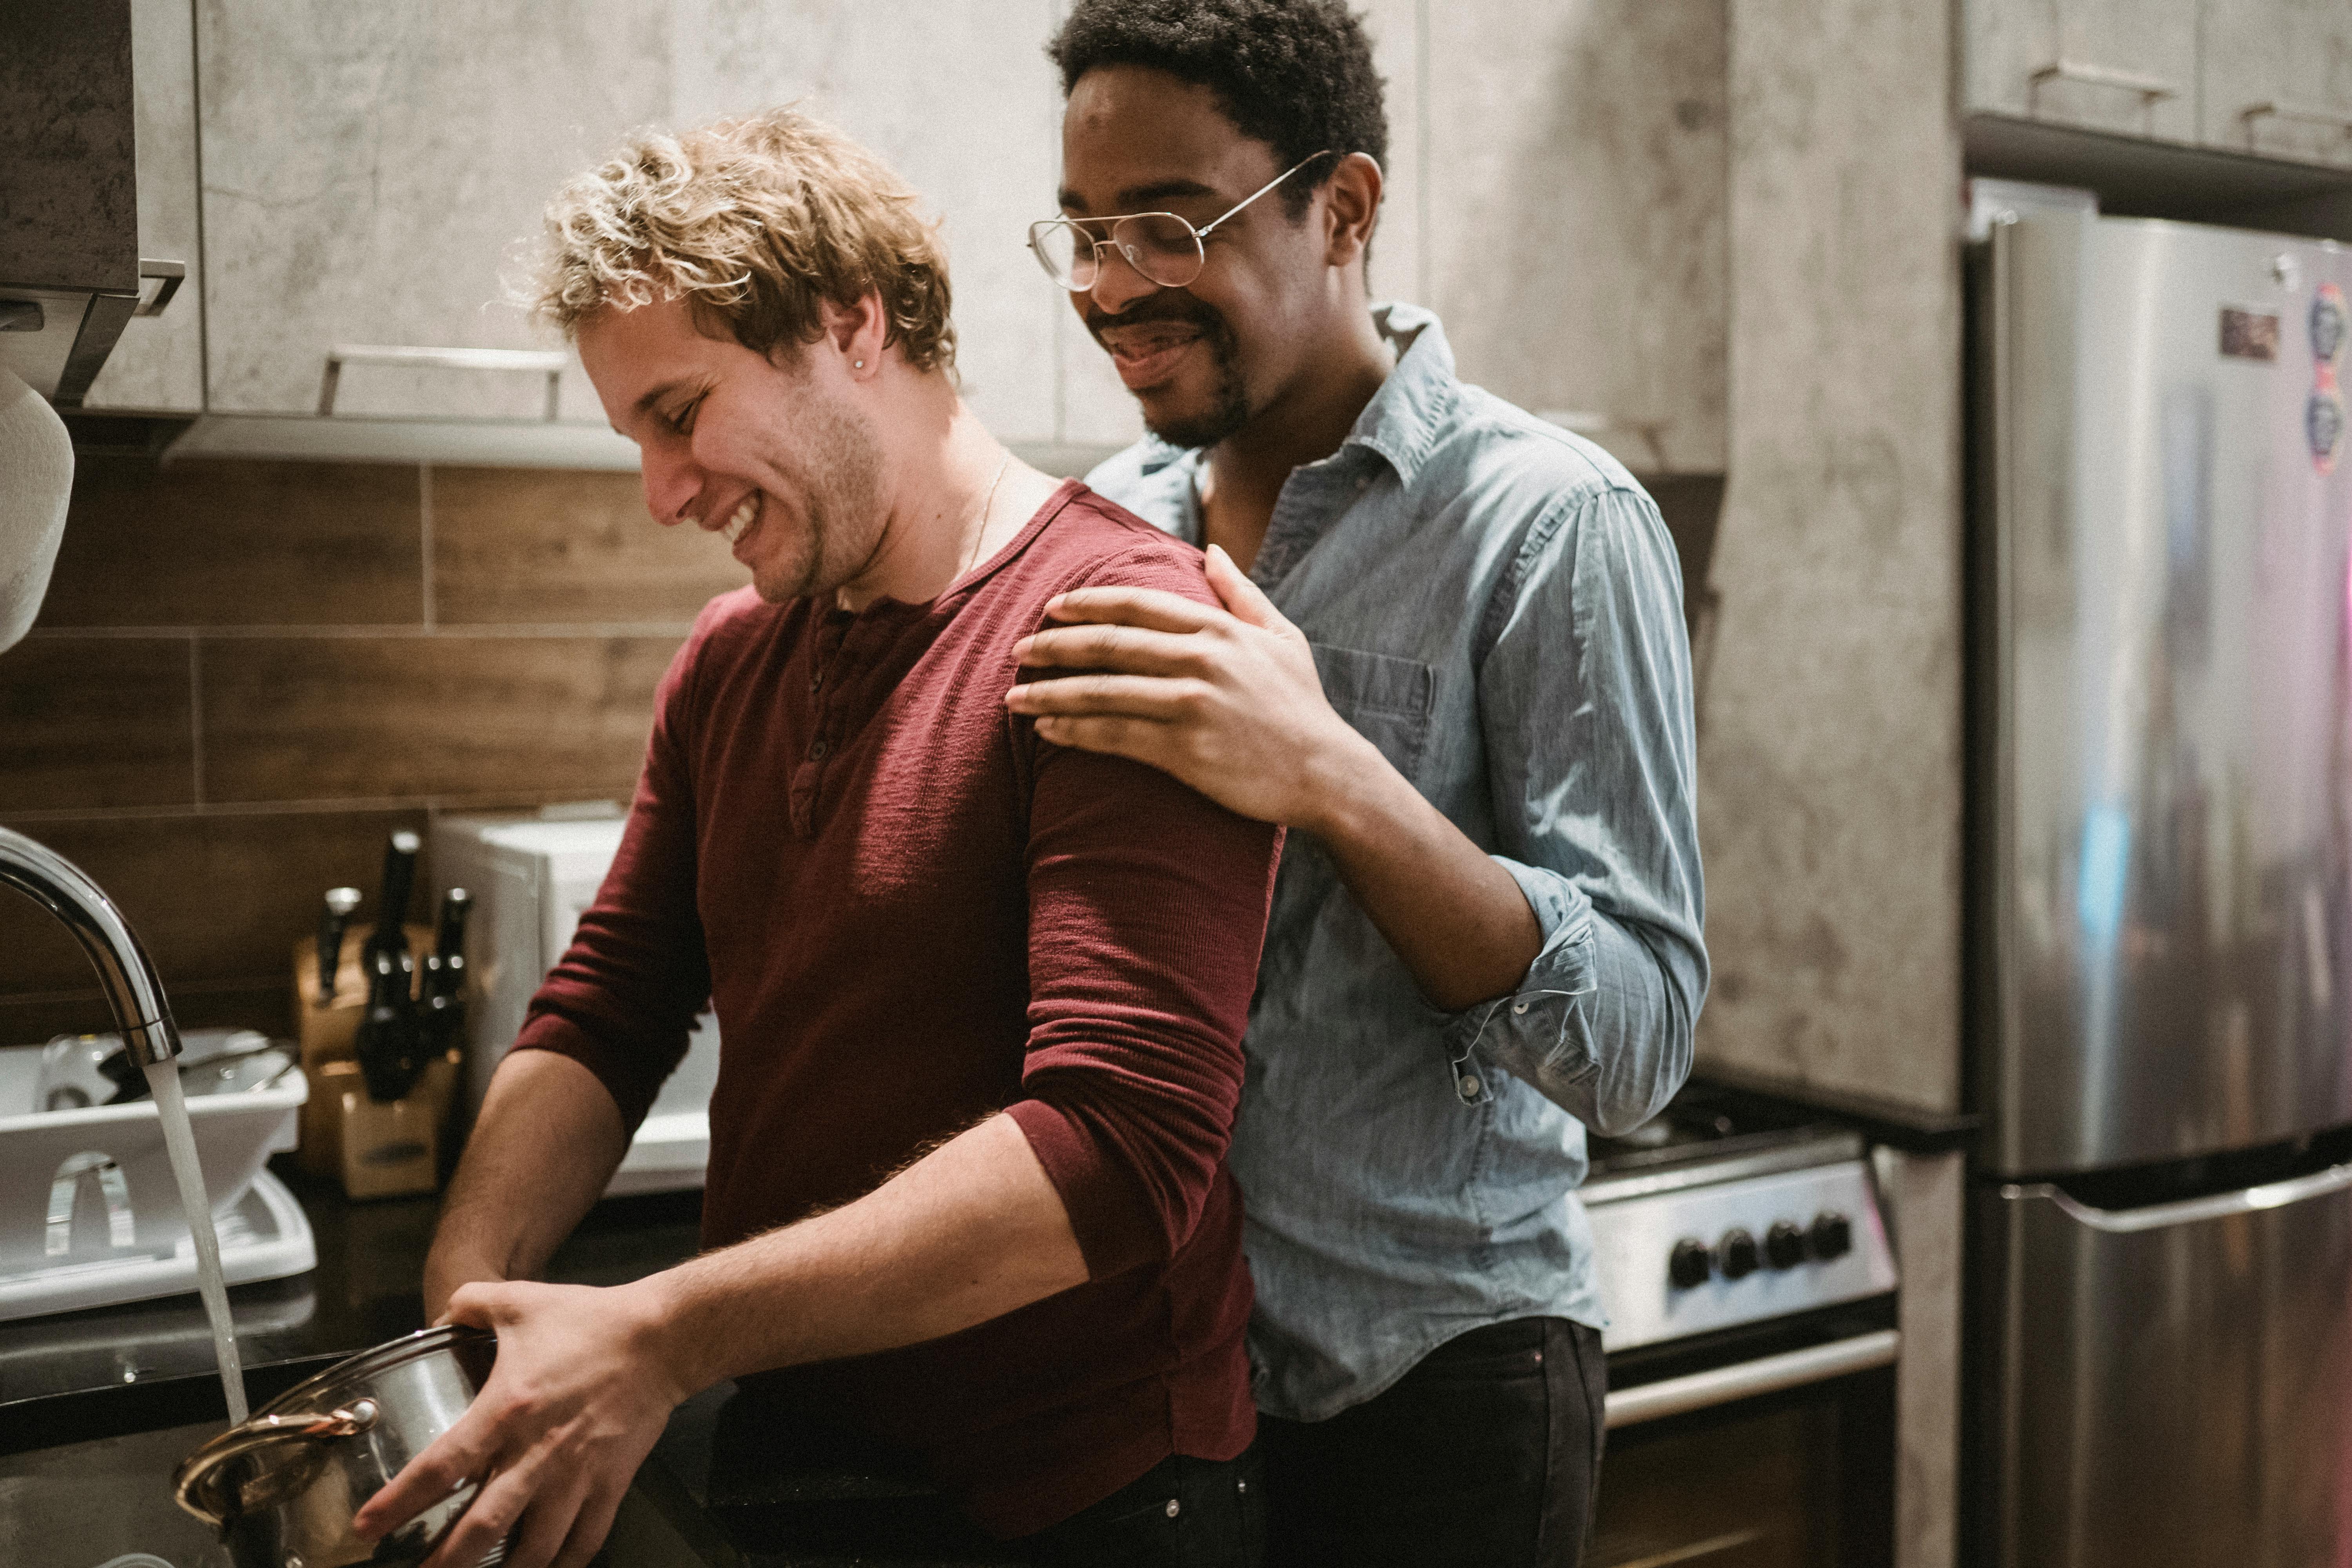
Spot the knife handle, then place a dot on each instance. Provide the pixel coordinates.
(445, 971)
(386, 1044)
(333, 920)
(399, 877)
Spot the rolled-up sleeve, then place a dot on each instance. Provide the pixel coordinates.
(1147, 912)
(1585, 702)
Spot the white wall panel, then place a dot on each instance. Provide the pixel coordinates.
(1575, 211)
(960, 100)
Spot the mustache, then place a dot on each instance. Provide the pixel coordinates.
(1170, 305)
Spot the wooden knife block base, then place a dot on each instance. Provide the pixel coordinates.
(375, 1150)
(381, 1149)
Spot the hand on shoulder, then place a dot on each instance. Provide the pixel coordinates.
(1226, 699)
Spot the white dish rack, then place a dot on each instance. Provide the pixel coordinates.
(89, 1214)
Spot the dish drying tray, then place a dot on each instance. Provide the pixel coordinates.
(263, 1236)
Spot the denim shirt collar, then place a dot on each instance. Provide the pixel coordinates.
(1414, 404)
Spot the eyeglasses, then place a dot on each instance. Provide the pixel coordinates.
(1162, 247)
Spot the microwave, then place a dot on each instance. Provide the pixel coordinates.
(531, 878)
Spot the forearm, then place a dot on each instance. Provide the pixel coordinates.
(969, 1232)
(1455, 918)
(548, 1141)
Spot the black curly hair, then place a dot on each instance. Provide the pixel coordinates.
(1294, 74)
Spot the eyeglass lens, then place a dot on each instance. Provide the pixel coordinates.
(1162, 247)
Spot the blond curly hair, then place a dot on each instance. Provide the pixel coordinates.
(756, 223)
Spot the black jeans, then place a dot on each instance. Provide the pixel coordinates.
(1181, 1513)
(1484, 1455)
(793, 1491)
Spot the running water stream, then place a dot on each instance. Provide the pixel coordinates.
(180, 1142)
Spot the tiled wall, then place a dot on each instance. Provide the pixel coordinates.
(247, 675)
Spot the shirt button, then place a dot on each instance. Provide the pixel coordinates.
(820, 749)
(1172, 1508)
(1469, 1087)
(1518, 1006)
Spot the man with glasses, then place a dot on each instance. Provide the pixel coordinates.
(1451, 658)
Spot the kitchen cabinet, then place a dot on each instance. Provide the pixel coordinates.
(2276, 79)
(1576, 245)
(157, 364)
(374, 174)
(2123, 65)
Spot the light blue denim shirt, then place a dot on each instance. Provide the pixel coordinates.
(1495, 603)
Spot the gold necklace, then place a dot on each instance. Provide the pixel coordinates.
(980, 532)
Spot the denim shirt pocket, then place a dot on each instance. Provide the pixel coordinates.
(1390, 701)
(1386, 699)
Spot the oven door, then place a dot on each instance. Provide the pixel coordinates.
(1770, 1447)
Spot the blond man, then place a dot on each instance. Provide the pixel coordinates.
(1014, 974)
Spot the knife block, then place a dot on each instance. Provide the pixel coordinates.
(365, 1146)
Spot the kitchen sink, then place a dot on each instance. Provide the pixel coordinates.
(86, 1504)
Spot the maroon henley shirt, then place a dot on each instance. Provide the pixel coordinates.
(908, 912)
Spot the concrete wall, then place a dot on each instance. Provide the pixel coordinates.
(1830, 772)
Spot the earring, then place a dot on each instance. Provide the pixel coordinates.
(858, 363)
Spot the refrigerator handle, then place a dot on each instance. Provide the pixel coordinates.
(2188, 1211)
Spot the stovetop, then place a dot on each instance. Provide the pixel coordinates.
(1728, 1210)
(1711, 1134)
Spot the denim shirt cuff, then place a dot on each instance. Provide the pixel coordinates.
(1530, 1030)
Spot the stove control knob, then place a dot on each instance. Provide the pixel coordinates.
(1784, 1245)
(1832, 1236)
(1689, 1264)
(1736, 1254)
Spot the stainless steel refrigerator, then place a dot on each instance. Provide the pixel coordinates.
(2162, 894)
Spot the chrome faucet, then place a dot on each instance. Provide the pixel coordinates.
(124, 971)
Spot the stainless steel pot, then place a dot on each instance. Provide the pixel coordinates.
(282, 1488)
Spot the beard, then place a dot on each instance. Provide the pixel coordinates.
(839, 486)
(1228, 408)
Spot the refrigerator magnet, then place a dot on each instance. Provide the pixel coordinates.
(2322, 426)
(2328, 325)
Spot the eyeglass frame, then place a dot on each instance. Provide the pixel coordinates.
(1199, 236)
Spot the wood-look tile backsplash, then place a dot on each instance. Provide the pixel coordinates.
(247, 674)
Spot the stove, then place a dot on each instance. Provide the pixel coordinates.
(1751, 1297)
(1728, 1211)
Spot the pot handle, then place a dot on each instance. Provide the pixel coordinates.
(262, 1432)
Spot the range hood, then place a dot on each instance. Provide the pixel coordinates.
(70, 273)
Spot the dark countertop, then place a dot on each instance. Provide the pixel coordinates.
(1889, 1121)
